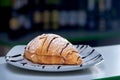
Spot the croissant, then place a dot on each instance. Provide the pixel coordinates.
(52, 49)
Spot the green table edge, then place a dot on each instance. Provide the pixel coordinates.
(109, 78)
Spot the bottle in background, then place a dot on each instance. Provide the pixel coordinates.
(106, 15)
(82, 19)
(47, 15)
(46, 20)
(92, 15)
(63, 15)
(72, 19)
(73, 8)
(102, 14)
(17, 23)
(108, 5)
(63, 19)
(27, 23)
(102, 24)
(82, 14)
(91, 5)
(14, 27)
(54, 19)
(113, 14)
(37, 15)
(37, 20)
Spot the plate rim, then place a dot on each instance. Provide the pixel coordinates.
(50, 70)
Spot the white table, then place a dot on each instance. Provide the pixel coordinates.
(109, 67)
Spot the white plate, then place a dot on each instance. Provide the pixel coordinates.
(89, 55)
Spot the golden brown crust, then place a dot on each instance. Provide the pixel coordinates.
(52, 49)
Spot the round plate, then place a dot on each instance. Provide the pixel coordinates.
(89, 56)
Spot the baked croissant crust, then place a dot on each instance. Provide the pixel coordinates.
(52, 49)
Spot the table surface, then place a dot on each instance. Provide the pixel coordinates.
(109, 67)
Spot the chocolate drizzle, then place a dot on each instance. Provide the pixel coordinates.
(64, 48)
(77, 46)
(96, 57)
(81, 46)
(16, 60)
(88, 54)
(15, 55)
(28, 47)
(81, 65)
(43, 67)
(7, 60)
(50, 43)
(83, 49)
(24, 63)
(101, 59)
(58, 67)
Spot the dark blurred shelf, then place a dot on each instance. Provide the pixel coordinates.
(75, 36)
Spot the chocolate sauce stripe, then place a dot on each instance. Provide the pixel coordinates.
(82, 46)
(77, 46)
(24, 63)
(58, 67)
(18, 55)
(88, 54)
(96, 57)
(81, 65)
(50, 43)
(83, 49)
(43, 67)
(99, 57)
(16, 60)
(64, 48)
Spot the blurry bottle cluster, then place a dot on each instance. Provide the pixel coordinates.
(18, 17)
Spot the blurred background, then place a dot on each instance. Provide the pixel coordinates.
(91, 22)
